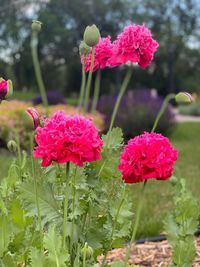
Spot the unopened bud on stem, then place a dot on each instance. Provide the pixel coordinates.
(91, 35)
(183, 98)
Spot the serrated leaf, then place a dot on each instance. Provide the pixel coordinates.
(8, 261)
(114, 139)
(48, 206)
(37, 258)
(17, 214)
(184, 253)
(3, 208)
(5, 234)
(107, 167)
(53, 243)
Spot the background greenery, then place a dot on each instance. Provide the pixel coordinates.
(174, 23)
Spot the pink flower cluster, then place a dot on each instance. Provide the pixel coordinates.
(135, 44)
(103, 52)
(149, 155)
(67, 139)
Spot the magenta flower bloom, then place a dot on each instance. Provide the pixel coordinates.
(67, 139)
(3, 89)
(32, 112)
(103, 52)
(135, 44)
(147, 156)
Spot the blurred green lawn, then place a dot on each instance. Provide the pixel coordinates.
(158, 195)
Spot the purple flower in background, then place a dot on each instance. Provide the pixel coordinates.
(53, 97)
(137, 112)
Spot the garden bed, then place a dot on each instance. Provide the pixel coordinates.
(150, 254)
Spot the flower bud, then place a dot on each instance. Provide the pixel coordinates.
(34, 117)
(88, 251)
(91, 35)
(36, 25)
(6, 89)
(84, 49)
(173, 180)
(183, 98)
(12, 146)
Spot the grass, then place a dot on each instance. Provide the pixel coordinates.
(159, 194)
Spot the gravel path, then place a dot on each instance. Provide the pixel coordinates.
(150, 254)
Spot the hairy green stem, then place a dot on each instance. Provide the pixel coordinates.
(66, 201)
(162, 110)
(118, 101)
(114, 226)
(34, 51)
(73, 206)
(88, 85)
(35, 186)
(82, 89)
(138, 213)
(96, 91)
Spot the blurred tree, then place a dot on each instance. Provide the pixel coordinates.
(174, 24)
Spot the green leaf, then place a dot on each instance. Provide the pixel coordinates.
(17, 214)
(115, 139)
(5, 234)
(8, 261)
(53, 243)
(106, 168)
(37, 258)
(3, 206)
(184, 253)
(48, 206)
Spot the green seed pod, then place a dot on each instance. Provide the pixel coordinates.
(36, 25)
(84, 49)
(12, 146)
(183, 98)
(88, 251)
(173, 180)
(91, 35)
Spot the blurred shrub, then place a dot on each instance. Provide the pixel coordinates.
(137, 112)
(192, 109)
(14, 119)
(53, 97)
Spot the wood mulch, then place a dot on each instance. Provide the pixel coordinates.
(150, 254)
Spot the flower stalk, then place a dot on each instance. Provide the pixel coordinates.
(89, 80)
(73, 184)
(118, 101)
(82, 89)
(36, 64)
(138, 214)
(162, 110)
(66, 201)
(96, 91)
(114, 226)
(35, 187)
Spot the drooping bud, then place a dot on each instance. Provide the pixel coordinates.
(34, 117)
(84, 49)
(91, 35)
(36, 25)
(12, 146)
(183, 98)
(88, 251)
(6, 89)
